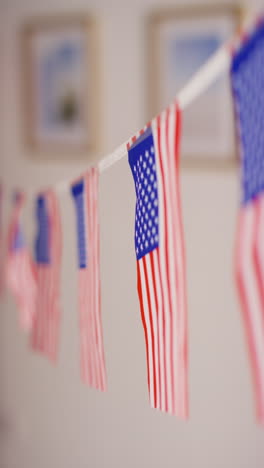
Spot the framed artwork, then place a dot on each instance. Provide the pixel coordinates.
(60, 80)
(179, 42)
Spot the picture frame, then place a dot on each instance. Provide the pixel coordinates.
(60, 105)
(180, 41)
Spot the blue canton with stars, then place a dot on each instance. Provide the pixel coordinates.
(247, 74)
(142, 162)
(42, 246)
(78, 195)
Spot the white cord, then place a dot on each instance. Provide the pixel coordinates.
(202, 79)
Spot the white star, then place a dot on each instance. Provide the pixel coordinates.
(152, 149)
(156, 202)
(146, 153)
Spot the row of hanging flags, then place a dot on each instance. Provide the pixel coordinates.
(153, 156)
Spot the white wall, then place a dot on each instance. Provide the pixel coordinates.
(47, 417)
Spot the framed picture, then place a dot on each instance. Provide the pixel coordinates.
(60, 105)
(180, 41)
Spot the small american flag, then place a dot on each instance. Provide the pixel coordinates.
(154, 161)
(247, 74)
(48, 251)
(20, 272)
(85, 195)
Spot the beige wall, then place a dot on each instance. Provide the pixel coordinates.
(47, 418)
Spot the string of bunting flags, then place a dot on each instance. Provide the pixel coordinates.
(154, 159)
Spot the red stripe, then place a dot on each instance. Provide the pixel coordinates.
(140, 295)
(151, 331)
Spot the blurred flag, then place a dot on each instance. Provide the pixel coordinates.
(20, 272)
(85, 195)
(247, 74)
(48, 251)
(154, 161)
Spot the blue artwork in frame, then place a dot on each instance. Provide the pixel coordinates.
(61, 82)
(180, 43)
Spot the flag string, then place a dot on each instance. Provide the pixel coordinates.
(214, 67)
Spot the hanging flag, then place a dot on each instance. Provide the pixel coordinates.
(85, 196)
(20, 272)
(48, 251)
(247, 75)
(159, 243)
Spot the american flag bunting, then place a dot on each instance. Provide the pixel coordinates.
(159, 244)
(247, 75)
(48, 252)
(20, 271)
(85, 196)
